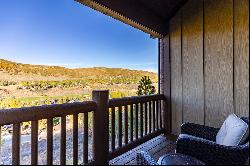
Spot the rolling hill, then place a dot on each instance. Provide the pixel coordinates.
(42, 71)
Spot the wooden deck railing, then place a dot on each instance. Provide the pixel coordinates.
(139, 119)
(33, 114)
(118, 126)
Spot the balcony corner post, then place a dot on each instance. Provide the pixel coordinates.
(165, 79)
(101, 127)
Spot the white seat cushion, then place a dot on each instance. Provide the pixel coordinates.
(233, 132)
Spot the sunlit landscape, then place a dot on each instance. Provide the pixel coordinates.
(25, 85)
(60, 55)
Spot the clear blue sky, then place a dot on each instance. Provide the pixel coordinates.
(66, 33)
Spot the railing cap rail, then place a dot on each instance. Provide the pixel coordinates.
(116, 102)
(24, 114)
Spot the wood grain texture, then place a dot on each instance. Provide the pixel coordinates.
(149, 117)
(63, 141)
(134, 144)
(157, 114)
(126, 124)
(165, 80)
(160, 113)
(75, 139)
(146, 118)
(113, 128)
(154, 120)
(154, 146)
(101, 127)
(153, 142)
(192, 56)
(136, 121)
(131, 122)
(141, 120)
(16, 144)
(116, 102)
(25, 114)
(34, 142)
(120, 126)
(241, 57)
(50, 141)
(218, 45)
(85, 138)
(176, 72)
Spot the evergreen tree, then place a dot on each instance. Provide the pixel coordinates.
(145, 87)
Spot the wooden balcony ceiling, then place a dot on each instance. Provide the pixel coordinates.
(150, 16)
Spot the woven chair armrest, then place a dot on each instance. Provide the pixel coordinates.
(210, 152)
(201, 131)
(143, 158)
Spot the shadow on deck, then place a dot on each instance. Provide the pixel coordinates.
(156, 147)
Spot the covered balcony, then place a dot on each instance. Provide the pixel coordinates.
(203, 77)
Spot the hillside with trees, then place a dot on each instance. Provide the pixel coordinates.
(29, 85)
(116, 74)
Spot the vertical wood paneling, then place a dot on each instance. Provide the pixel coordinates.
(241, 57)
(165, 80)
(192, 56)
(218, 43)
(209, 55)
(176, 72)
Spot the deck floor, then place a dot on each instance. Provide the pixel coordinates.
(156, 147)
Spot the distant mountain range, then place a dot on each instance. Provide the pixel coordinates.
(14, 68)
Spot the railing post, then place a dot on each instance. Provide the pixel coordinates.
(100, 127)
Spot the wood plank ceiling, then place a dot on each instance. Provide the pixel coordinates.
(150, 16)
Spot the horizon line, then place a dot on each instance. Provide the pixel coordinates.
(78, 65)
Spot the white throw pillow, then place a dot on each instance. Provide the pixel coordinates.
(233, 132)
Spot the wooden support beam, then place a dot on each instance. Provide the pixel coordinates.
(165, 81)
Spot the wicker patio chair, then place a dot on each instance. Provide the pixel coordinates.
(199, 141)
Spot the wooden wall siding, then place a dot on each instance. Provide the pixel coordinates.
(192, 56)
(241, 57)
(209, 55)
(176, 72)
(218, 43)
